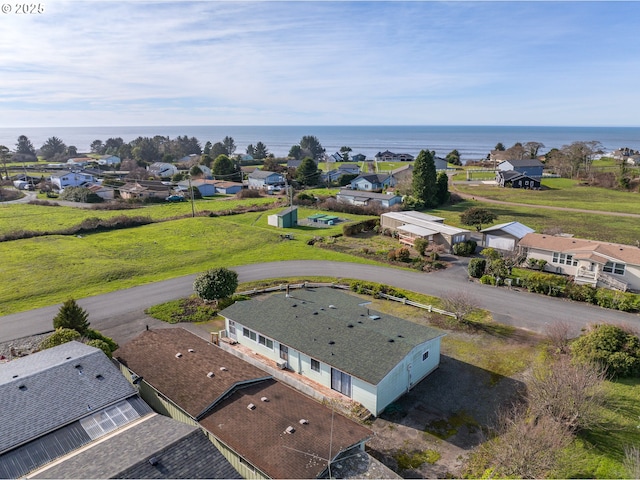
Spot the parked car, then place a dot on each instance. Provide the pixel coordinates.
(175, 198)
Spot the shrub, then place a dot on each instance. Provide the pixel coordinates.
(464, 249)
(60, 336)
(580, 293)
(403, 254)
(216, 284)
(102, 345)
(487, 280)
(421, 245)
(392, 255)
(79, 194)
(92, 334)
(612, 347)
(477, 267)
(369, 288)
(248, 193)
(547, 283)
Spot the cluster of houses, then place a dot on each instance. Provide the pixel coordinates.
(252, 403)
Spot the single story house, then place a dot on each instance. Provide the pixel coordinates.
(357, 197)
(142, 189)
(517, 180)
(358, 157)
(602, 264)
(207, 188)
(411, 225)
(504, 236)
(333, 339)
(371, 182)
(531, 167)
(104, 192)
(286, 218)
(67, 412)
(335, 174)
(79, 162)
(388, 156)
(227, 188)
(262, 179)
(61, 180)
(162, 169)
(264, 428)
(108, 160)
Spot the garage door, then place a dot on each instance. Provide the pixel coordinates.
(501, 243)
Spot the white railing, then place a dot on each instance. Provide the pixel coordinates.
(612, 282)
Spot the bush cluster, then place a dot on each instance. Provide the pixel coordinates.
(370, 288)
(612, 347)
(80, 194)
(464, 249)
(477, 267)
(364, 226)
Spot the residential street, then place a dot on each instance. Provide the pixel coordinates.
(121, 315)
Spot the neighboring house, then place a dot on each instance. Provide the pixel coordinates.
(371, 182)
(505, 236)
(293, 163)
(335, 174)
(190, 160)
(162, 170)
(356, 197)
(402, 174)
(207, 188)
(106, 193)
(336, 157)
(142, 189)
(286, 218)
(263, 427)
(411, 225)
(358, 157)
(262, 179)
(388, 156)
(79, 162)
(513, 179)
(245, 157)
(64, 179)
(333, 339)
(602, 264)
(227, 188)
(108, 160)
(440, 163)
(531, 167)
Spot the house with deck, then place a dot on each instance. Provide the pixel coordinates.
(335, 340)
(411, 225)
(588, 262)
(265, 428)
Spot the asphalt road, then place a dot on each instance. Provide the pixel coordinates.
(121, 315)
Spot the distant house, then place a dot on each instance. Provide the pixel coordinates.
(388, 156)
(531, 167)
(367, 356)
(207, 188)
(440, 163)
(286, 218)
(336, 157)
(104, 192)
(513, 179)
(602, 264)
(61, 180)
(262, 179)
(108, 160)
(191, 159)
(358, 157)
(227, 188)
(371, 182)
(411, 225)
(141, 189)
(505, 236)
(257, 423)
(335, 174)
(162, 170)
(361, 198)
(79, 162)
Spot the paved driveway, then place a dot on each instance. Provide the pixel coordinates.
(121, 315)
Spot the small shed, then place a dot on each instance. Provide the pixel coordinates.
(287, 218)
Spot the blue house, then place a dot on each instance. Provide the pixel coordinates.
(531, 167)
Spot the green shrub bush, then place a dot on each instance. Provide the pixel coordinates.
(611, 346)
(487, 280)
(464, 249)
(477, 267)
(547, 283)
(421, 245)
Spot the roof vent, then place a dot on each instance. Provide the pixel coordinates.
(331, 342)
(210, 374)
(332, 306)
(303, 421)
(22, 387)
(99, 377)
(374, 317)
(294, 305)
(153, 461)
(315, 313)
(400, 336)
(251, 406)
(264, 399)
(178, 355)
(223, 369)
(290, 430)
(349, 325)
(391, 340)
(15, 376)
(191, 350)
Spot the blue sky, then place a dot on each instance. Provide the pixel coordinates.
(93, 63)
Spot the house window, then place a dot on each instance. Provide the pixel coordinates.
(612, 267)
(265, 341)
(249, 334)
(564, 259)
(425, 355)
(315, 365)
(232, 327)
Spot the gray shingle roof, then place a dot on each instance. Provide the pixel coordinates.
(180, 451)
(51, 388)
(331, 326)
(261, 174)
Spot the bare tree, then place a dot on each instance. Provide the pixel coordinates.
(532, 148)
(461, 303)
(572, 393)
(558, 335)
(522, 447)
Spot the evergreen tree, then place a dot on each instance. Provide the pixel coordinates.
(72, 316)
(223, 167)
(25, 147)
(425, 179)
(442, 184)
(308, 173)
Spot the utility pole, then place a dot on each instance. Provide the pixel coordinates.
(193, 208)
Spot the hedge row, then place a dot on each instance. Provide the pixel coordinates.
(364, 226)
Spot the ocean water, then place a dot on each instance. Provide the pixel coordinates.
(473, 142)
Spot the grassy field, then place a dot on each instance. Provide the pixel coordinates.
(561, 192)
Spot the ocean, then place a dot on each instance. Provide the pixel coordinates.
(473, 142)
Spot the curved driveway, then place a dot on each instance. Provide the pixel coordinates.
(121, 315)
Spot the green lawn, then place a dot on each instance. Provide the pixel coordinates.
(561, 192)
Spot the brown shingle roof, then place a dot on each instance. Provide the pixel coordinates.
(259, 434)
(184, 380)
(624, 253)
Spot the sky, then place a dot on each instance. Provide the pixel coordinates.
(135, 62)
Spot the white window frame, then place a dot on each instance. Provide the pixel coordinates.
(614, 267)
(315, 365)
(564, 259)
(266, 342)
(232, 327)
(250, 334)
